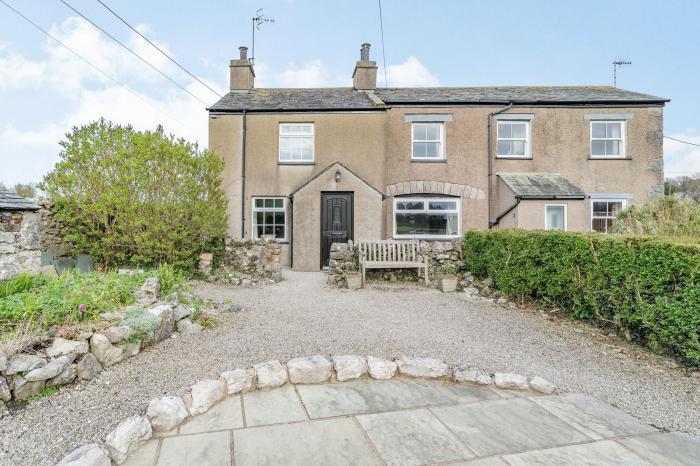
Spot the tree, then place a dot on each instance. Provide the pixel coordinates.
(139, 198)
(27, 190)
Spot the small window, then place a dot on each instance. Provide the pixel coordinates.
(426, 217)
(428, 141)
(513, 139)
(608, 139)
(555, 217)
(296, 142)
(604, 214)
(270, 218)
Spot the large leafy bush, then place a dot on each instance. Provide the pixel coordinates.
(141, 198)
(665, 216)
(648, 288)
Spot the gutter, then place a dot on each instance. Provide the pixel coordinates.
(490, 162)
(507, 211)
(243, 138)
(573, 197)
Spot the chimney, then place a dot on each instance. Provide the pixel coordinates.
(365, 74)
(242, 74)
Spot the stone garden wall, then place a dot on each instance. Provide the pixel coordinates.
(248, 263)
(52, 231)
(20, 233)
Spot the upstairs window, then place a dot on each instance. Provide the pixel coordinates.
(426, 217)
(513, 139)
(608, 139)
(428, 141)
(604, 214)
(296, 143)
(270, 218)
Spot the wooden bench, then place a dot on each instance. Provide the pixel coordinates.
(391, 254)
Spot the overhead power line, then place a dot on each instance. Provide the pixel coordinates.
(684, 142)
(96, 68)
(132, 52)
(381, 28)
(158, 48)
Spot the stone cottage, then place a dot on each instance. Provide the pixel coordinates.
(20, 235)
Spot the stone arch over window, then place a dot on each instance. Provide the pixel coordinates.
(434, 187)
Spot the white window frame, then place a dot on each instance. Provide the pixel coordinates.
(293, 136)
(623, 140)
(566, 216)
(282, 209)
(441, 141)
(426, 200)
(528, 139)
(624, 206)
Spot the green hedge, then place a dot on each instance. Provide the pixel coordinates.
(646, 287)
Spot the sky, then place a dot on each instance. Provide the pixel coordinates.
(45, 90)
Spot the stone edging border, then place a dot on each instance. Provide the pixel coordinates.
(166, 413)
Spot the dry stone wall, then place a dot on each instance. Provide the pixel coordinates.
(247, 263)
(20, 233)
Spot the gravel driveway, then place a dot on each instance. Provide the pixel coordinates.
(300, 316)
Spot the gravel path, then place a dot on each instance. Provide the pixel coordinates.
(299, 316)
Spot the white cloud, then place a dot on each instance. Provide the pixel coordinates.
(682, 159)
(311, 74)
(411, 73)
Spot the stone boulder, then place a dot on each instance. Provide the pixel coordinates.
(508, 380)
(91, 454)
(68, 375)
(270, 374)
(127, 437)
(51, 370)
(166, 413)
(132, 348)
(180, 312)
(542, 385)
(205, 393)
(3, 362)
(5, 394)
(349, 367)
(381, 369)
(150, 291)
(164, 314)
(187, 327)
(117, 333)
(471, 375)
(422, 367)
(104, 352)
(23, 363)
(239, 380)
(25, 388)
(314, 369)
(62, 347)
(89, 367)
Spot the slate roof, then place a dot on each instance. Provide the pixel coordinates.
(11, 201)
(541, 186)
(346, 98)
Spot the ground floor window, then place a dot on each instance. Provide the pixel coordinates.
(270, 217)
(604, 214)
(426, 217)
(555, 217)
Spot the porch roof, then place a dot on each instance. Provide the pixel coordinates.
(541, 186)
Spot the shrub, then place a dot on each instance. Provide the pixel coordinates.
(139, 198)
(645, 287)
(666, 216)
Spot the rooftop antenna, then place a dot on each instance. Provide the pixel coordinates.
(616, 63)
(258, 20)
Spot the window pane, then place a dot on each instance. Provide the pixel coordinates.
(260, 217)
(432, 149)
(279, 203)
(612, 147)
(269, 202)
(279, 231)
(269, 230)
(613, 130)
(504, 148)
(600, 209)
(599, 225)
(419, 132)
(442, 205)
(598, 130)
(409, 205)
(610, 225)
(269, 216)
(518, 131)
(555, 217)
(597, 147)
(258, 203)
(279, 218)
(260, 231)
(518, 147)
(419, 149)
(432, 132)
(614, 208)
(504, 130)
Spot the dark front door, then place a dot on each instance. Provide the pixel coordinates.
(336, 222)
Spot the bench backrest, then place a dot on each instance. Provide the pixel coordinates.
(389, 251)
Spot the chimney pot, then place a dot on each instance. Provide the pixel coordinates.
(364, 51)
(244, 52)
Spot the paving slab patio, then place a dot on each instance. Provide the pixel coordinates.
(413, 422)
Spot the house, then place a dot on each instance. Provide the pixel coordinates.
(20, 229)
(310, 167)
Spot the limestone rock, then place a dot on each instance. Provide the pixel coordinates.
(379, 368)
(422, 367)
(23, 363)
(64, 378)
(3, 362)
(314, 369)
(472, 375)
(132, 348)
(51, 370)
(166, 413)
(180, 312)
(270, 374)
(235, 308)
(164, 314)
(5, 394)
(542, 385)
(89, 367)
(205, 393)
(117, 333)
(127, 437)
(91, 454)
(187, 327)
(106, 354)
(508, 380)
(25, 388)
(62, 347)
(349, 367)
(150, 291)
(239, 380)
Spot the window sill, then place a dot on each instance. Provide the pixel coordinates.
(609, 158)
(296, 163)
(278, 241)
(428, 161)
(424, 238)
(507, 157)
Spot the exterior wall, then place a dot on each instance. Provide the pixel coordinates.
(306, 215)
(530, 214)
(20, 233)
(504, 199)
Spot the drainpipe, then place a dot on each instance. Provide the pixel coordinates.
(507, 211)
(490, 164)
(243, 137)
